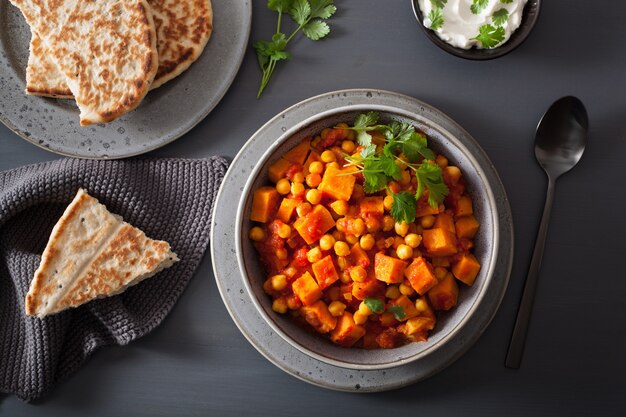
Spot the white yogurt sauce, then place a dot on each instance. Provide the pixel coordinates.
(460, 25)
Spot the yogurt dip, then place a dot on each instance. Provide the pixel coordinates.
(473, 23)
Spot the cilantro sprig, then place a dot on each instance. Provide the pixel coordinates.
(490, 36)
(478, 6)
(403, 146)
(374, 304)
(397, 311)
(309, 15)
(500, 17)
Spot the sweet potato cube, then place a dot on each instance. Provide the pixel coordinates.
(264, 204)
(407, 305)
(298, 154)
(338, 183)
(313, 226)
(419, 326)
(368, 288)
(421, 275)
(286, 209)
(313, 156)
(466, 269)
(346, 332)
(306, 289)
(359, 256)
(371, 205)
(439, 242)
(278, 170)
(466, 227)
(318, 316)
(325, 272)
(445, 221)
(442, 261)
(464, 206)
(444, 295)
(425, 209)
(388, 269)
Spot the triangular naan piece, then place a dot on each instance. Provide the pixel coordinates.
(92, 254)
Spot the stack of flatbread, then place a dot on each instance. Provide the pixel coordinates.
(107, 54)
(92, 254)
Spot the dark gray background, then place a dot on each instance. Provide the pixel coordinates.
(197, 362)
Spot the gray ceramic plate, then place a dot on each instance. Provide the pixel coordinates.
(311, 358)
(165, 114)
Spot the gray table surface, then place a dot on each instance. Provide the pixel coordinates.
(197, 362)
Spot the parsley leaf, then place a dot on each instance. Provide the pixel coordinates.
(322, 9)
(436, 18)
(316, 30)
(374, 304)
(300, 11)
(478, 6)
(429, 178)
(489, 36)
(361, 124)
(390, 168)
(416, 146)
(403, 207)
(397, 311)
(279, 5)
(438, 4)
(500, 16)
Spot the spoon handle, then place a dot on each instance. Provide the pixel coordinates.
(518, 339)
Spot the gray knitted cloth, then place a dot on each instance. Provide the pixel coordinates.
(169, 199)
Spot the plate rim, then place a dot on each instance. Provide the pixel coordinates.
(385, 378)
(193, 122)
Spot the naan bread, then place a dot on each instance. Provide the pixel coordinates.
(92, 254)
(183, 29)
(106, 50)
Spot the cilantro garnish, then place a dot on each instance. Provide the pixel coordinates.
(500, 16)
(490, 36)
(507, 1)
(436, 18)
(397, 311)
(381, 164)
(309, 15)
(478, 6)
(374, 304)
(438, 4)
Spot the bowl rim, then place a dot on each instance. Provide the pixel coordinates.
(516, 40)
(393, 111)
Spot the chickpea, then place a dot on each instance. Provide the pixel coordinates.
(327, 242)
(340, 207)
(281, 254)
(279, 282)
(388, 223)
(358, 273)
(388, 202)
(351, 239)
(297, 188)
(358, 227)
(392, 292)
(316, 167)
(303, 209)
(336, 308)
(364, 309)
(280, 306)
(421, 305)
(328, 156)
(341, 224)
(404, 252)
(283, 186)
(401, 228)
(367, 242)
(298, 177)
(348, 146)
(314, 196)
(257, 234)
(313, 180)
(454, 173)
(314, 255)
(427, 221)
(413, 240)
(359, 318)
(342, 249)
(284, 231)
(338, 235)
(442, 161)
(406, 289)
(290, 272)
(372, 224)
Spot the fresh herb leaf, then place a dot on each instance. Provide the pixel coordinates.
(507, 1)
(374, 181)
(390, 168)
(306, 14)
(374, 304)
(415, 146)
(397, 311)
(362, 125)
(490, 36)
(322, 9)
(438, 4)
(436, 18)
(429, 177)
(478, 6)
(316, 29)
(300, 11)
(368, 151)
(500, 16)
(403, 207)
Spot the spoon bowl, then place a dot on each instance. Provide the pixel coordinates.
(559, 144)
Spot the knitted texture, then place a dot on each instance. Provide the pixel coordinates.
(169, 199)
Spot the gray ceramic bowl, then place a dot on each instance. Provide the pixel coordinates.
(529, 19)
(477, 304)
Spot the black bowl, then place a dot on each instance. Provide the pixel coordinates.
(529, 19)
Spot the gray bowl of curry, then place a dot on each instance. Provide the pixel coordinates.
(454, 331)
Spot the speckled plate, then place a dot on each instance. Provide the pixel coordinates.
(311, 358)
(164, 115)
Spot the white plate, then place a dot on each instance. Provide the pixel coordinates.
(164, 115)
